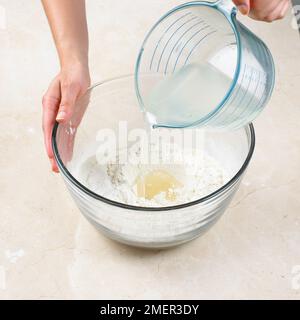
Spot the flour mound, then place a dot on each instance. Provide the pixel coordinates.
(199, 175)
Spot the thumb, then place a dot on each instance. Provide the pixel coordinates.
(69, 94)
(243, 6)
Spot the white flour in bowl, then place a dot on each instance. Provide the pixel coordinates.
(153, 185)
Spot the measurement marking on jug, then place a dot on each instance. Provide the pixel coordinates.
(246, 110)
(191, 38)
(247, 88)
(261, 102)
(235, 107)
(197, 44)
(164, 49)
(165, 32)
(180, 38)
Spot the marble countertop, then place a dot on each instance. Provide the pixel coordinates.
(48, 250)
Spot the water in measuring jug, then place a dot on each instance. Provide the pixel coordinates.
(186, 96)
(192, 93)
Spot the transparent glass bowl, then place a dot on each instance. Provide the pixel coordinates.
(107, 104)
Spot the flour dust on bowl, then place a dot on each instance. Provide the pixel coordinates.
(204, 68)
(142, 187)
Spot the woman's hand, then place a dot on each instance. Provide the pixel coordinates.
(67, 19)
(59, 100)
(263, 10)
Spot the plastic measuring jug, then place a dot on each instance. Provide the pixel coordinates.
(200, 66)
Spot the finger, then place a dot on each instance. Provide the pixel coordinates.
(51, 102)
(50, 107)
(243, 6)
(77, 115)
(69, 94)
(70, 145)
(79, 111)
(54, 166)
(67, 111)
(284, 10)
(80, 108)
(277, 13)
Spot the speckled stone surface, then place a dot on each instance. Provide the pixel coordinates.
(48, 250)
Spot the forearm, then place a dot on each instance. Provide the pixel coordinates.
(67, 19)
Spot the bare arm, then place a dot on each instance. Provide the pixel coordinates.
(67, 20)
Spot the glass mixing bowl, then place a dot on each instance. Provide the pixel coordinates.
(103, 108)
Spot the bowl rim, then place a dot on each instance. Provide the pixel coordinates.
(66, 173)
